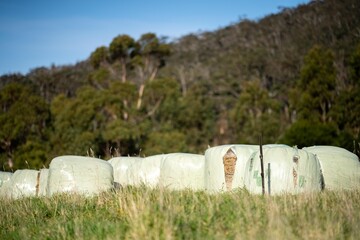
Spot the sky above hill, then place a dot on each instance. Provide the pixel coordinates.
(39, 33)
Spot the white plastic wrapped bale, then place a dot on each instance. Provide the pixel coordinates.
(146, 171)
(43, 182)
(182, 171)
(290, 171)
(81, 175)
(120, 166)
(225, 166)
(341, 168)
(4, 179)
(23, 183)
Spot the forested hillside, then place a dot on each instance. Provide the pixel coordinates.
(293, 77)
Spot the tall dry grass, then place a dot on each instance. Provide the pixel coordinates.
(142, 213)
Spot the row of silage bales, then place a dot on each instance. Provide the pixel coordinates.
(66, 174)
(23, 183)
(340, 167)
(238, 166)
(174, 171)
(80, 175)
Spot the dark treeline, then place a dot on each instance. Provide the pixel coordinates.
(293, 77)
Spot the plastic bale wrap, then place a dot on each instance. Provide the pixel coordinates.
(4, 179)
(23, 183)
(120, 166)
(146, 171)
(182, 171)
(291, 171)
(340, 168)
(225, 166)
(82, 175)
(43, 182)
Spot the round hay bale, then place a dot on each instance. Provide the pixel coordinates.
(340, 167)
(183, 171)
(290, 171)
(225, 166)
(120, 166)
(82, 175)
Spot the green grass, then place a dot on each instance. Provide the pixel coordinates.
(141, 213)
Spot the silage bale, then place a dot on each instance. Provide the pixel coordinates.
(146, 171)
(340, 167)
(4, 179)
(23, 183)
(120, 166)
(182, 170)
(81, 175)
(43, 182)
(291, 171)
(225, 166)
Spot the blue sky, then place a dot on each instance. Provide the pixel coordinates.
(39, 33)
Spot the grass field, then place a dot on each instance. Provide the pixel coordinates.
(141, 213)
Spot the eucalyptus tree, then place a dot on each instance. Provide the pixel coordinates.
(23, 121)
(150, 58)
(256, 112)
(122, 50)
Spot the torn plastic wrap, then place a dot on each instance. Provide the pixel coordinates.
(225, 166)
(182, 171)
(82, 175)
(120, 166)
(340, 168)
(43, 182)
(291, 171)
(146, 171)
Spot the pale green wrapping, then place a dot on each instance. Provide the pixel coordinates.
(182, 171)
(341, 168)
(82, 175)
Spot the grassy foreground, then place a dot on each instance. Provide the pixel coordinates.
(141, 213)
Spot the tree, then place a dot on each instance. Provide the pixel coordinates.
(124, 134)
(78, 122)
(316, 86)
(255, 113)
(122, 49)
(304, 133)
(99, 56)
(197, 118)
(151, 54)
(23, 119)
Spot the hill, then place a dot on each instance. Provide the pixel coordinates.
(292, 77)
